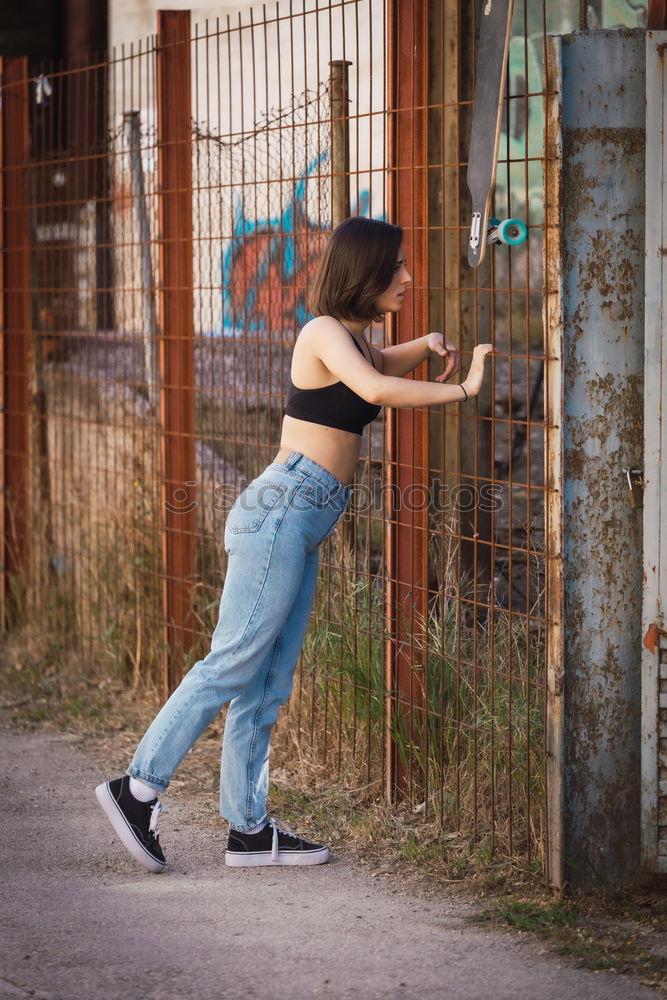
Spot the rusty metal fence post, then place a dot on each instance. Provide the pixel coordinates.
(149, 324)
(177, 395)
(16, 321)
(407, 525)
(340, 181)
(340, 141)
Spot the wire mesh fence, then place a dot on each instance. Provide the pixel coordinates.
(115, 541)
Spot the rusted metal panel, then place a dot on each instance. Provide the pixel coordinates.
(177, 395)
(553, 463)
(603, 275)
(408, 429)
(16, 313)
(654, 669)
(656, 15)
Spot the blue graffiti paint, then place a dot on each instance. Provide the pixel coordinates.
(283, 251)
(282, 248)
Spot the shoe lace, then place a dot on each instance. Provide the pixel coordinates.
(152, 826)
(278, 828)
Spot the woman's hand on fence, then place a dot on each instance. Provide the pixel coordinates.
(473, 380)
(438, 345)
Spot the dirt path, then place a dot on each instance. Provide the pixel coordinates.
(81, 921)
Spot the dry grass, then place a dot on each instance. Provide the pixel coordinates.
(46, 685)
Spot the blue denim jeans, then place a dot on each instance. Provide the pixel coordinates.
(272, 537)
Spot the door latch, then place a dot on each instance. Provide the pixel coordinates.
(635, 480)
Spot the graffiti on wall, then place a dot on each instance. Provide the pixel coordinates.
(269, 264)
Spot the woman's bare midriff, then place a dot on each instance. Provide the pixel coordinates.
(336, 451)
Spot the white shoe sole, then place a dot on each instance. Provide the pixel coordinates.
(261, 859)
(125, 832)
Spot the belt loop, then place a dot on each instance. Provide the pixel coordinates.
(293, 459)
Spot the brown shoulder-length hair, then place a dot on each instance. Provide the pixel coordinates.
(356, 267)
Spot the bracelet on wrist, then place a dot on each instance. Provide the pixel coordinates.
(464, 393)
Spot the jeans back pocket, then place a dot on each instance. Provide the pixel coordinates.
(253, 505)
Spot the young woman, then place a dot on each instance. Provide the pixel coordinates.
(339, 382)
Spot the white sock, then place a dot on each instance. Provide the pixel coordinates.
(141, 790)
(256, 829)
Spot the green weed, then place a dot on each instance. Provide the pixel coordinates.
(592, 938)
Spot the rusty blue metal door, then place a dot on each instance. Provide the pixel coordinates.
(603, 187)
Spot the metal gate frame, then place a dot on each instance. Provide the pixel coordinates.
(553, 411)
(654, 649)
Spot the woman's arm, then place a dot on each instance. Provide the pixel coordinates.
(403, 358)
(333, 347)
(410, 392)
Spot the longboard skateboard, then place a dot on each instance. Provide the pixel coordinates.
(492, 53)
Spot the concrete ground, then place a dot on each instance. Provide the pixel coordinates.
(81, 921)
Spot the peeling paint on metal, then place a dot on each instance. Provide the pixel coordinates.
(603, 286)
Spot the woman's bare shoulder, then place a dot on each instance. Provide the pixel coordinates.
(321, 324)
(319, 332)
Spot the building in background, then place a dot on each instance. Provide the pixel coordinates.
(49, 32)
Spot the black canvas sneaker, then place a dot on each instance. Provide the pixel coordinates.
(135, 822)
(272, 846)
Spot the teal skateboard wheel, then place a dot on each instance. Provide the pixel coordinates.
(511, 232)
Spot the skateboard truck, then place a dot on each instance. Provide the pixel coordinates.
(475, 227)
(511, 232)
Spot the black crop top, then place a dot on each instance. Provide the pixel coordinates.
(331, 405)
